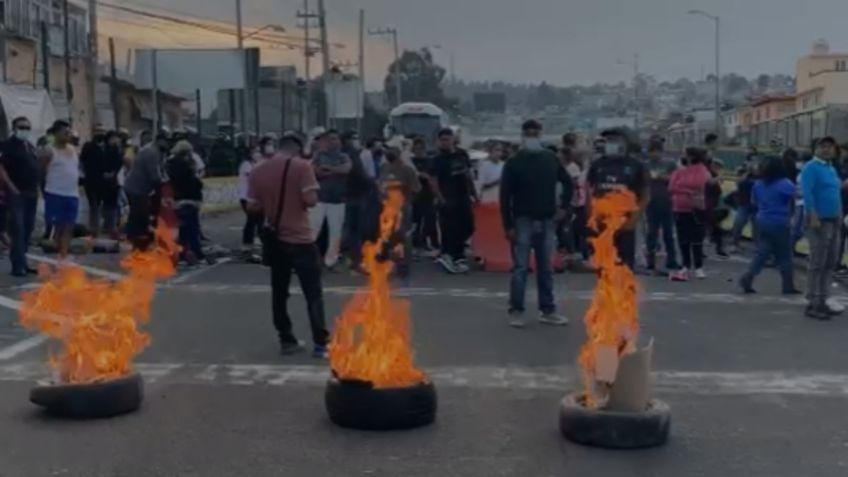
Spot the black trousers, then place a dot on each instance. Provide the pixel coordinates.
(457, 224)
(142, 218)
(426, 230)
(305, 261)
(625, 245)
(690, 238)
(252, 223)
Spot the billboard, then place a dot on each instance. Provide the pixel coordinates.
(490, 102)
(344, 98)
(183, 70)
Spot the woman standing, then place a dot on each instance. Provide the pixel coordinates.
(773, 196)
(252, 223)
(688, 201)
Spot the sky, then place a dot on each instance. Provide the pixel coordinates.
(559, 41)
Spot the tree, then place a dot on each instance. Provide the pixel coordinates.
(763, 83)
(421, 79)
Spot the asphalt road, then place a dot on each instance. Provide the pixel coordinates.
(755, 389)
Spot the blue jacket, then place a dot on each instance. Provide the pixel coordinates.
(822, 189)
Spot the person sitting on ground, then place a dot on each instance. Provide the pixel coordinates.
(773, 195)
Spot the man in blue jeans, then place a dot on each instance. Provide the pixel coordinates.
(21, 174)
(535, 192)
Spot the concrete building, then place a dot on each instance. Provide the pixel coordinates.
(770, 121)
(23, 63)
(821, 102)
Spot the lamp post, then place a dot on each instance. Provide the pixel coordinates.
(717, 22)
(635, 65)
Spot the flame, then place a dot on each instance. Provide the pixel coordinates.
(371, 342)
(613, 317)
(97, 322)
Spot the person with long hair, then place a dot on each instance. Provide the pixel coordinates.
(687, 186)
(772, 195)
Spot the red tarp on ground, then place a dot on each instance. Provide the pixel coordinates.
(489, 241)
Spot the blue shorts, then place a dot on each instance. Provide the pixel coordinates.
(60, 210)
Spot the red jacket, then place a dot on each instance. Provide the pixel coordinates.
(687, 187)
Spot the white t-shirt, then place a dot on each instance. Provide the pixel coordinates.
(490, 172)
(243, 178)
(63, 172)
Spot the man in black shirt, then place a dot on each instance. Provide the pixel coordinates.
(454, 191)
(93, 160)
(21, 175)
(615, 171)
(535, 192)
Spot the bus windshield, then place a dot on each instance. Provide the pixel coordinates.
(424, 125)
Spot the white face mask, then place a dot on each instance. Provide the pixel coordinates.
(533, 143)
(22, 134)
(269, 150)
(356, 144)
(612, 149)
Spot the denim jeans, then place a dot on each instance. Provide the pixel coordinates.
(744, 215)
(661, 218)
(773, 240)
(22, 211)
(189, 220)
(798, 226)
(537, 236)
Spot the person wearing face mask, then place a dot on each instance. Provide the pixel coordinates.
(821, 188)
(143, 189)
(332, 167)
(617, 171)
(250, 231)
(282, 190)
(19, 170)
(536, 192)
(455, 192)
(489, 178)
(61, 186)
(93, 160)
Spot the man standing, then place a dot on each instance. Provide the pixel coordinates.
(530, 208)
(821, 187)
(399, 175)
(490, 173)
(659, 213)
(616, 171)
(143, 188)
(282, 189)
(426, 235)
(93, 159)
(20, 170)
(455, 192)
(61, 186)
(332, 167)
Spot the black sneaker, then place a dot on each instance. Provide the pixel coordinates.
(288, 349)
(320, 352)
(818, 313)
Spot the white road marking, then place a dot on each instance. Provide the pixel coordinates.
(192, 274)
(22, 346)
(560, 379)
(98, 272)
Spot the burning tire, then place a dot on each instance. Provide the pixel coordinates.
(91, 401)
(358, 405)
(614, 430)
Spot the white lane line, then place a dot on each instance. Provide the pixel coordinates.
(98, 272)
(558, 379)
(22, 346)
(192, 274)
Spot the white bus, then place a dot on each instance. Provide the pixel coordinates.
(416, 119)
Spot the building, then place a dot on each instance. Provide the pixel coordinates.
(120, 104)
(22, 48)
(691, 131)
(770, 119)
(821, 101)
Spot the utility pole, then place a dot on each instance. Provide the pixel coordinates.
(113, 85)
(306, 16)
(717, 21)
(45, 56)
(69, 94)
(392, 32)
(92, 62)
(361, 98)
(325, 56)
(242, 95)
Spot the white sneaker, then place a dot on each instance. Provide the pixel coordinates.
(553, 319)
(517, 320)
(700, 274)
(835, 306)
(447, 263)
(679, 276)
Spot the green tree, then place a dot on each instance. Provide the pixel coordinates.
(421, 79)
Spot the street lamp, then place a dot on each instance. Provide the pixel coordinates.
(717, 21)
(275, 28)
(635, 65)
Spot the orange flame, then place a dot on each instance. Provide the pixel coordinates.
(613, 317)
(97, 322)
(371, 342)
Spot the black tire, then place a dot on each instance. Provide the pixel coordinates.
(91, 401)
(614, 430)
(358, 405)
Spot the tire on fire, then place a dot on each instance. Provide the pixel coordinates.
(611, 429)
(358, 405)
(92, 400)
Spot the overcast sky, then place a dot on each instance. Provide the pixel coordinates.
(565, 41)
